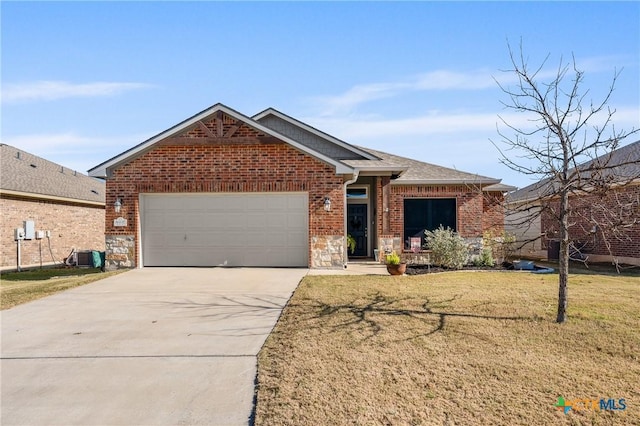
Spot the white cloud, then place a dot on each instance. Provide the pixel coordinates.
(448, 80)
(52, 90)
(438, 80)
(451, 80)
(358, 129)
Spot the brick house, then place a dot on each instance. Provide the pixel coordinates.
(604, 224)
(222, 188)
(68, 204)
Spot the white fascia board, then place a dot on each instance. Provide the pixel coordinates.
(103, 169)
(376, 169)
(319, 133)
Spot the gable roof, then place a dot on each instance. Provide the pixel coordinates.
(620, 165)
(346, 158)
(28, 175)
(103, 169)
(310, 136)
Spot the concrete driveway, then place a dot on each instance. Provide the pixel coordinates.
(153, 346)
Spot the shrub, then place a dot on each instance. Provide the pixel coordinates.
(448, 249)
(486, 257)
(501, 244)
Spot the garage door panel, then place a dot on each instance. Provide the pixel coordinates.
(296, 222)
(256, 221)
(225, 229)
(295, 203)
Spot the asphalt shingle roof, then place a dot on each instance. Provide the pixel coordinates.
(419, 171)
(29, 174)
(619, 165)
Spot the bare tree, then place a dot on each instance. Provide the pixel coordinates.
(566, 142)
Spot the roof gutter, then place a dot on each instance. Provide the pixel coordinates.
(445, 182)
(345, 248)
(51, 197)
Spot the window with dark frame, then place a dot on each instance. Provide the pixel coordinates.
(427, 214)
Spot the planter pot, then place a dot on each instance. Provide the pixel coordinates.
(397, 269)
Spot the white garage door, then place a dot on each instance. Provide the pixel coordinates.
(249, 229)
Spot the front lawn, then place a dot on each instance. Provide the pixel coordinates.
(453, 348)
(22, 287)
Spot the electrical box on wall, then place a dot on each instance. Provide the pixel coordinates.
(39, 235)
(29, 230)
(18, 234)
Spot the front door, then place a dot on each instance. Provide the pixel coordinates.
(357, 228)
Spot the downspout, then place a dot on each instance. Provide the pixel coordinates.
(345, 248)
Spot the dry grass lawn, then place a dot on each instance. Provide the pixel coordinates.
(466, 348)
(21, 287)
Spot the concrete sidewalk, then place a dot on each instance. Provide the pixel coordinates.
(354, 268)
(152, 346)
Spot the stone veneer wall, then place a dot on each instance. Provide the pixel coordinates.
(327, 251)
(388, 244)
(120, 251)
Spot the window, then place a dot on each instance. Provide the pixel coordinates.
(357, 193)
(427, 214)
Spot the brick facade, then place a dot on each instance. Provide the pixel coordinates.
(220, 153)
(471, 204)
(71, 225)
(477, 211)
(243, 161)
(493, 212)
(617, 230)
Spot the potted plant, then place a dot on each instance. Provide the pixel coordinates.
(394, 264)
(351, 243)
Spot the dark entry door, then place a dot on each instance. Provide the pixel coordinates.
(357, 227)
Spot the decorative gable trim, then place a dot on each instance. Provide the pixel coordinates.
(103, 170)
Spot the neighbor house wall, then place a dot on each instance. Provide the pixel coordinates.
(245, 162)
(525, 226)
(605, 241)
(71, 225)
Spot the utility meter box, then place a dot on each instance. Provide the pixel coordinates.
(29, 229)
(18, 234)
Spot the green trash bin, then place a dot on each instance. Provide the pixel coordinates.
(98, 259)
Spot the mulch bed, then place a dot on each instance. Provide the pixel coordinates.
(425, 269)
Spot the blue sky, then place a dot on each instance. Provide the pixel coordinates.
(84, 81)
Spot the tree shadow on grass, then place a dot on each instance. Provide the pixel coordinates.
(48, 273)
(364, 314)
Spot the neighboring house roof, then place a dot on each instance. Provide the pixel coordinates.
(102, 170)
(27, 175)
(347, 159)
(619, 165)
